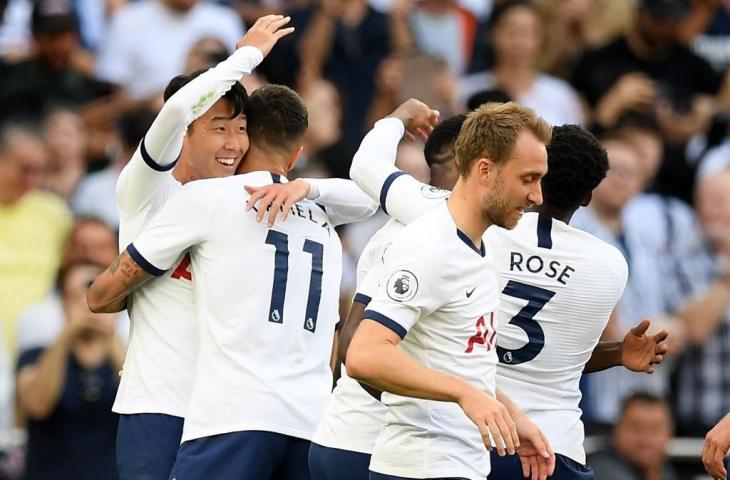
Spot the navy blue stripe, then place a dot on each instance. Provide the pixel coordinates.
(324, 209)
(386, 186)
(142, 262)
(151, 163)
(315, 283)
(544, 231)
(385, 321)
(470, 244)
(276, 178)
(280, 241)
(362, 298)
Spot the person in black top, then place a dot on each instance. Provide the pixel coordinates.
(67, 389)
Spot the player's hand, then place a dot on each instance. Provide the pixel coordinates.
(417, 117)
(715, 448)
(536, 455)
(640, 352)
(276, 198)
(491, 418)
(265, 33)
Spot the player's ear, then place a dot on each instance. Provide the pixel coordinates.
(294, 158)
(483, 167)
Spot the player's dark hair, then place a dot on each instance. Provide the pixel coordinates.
(276, 117)
(439, 147)
(641, 397)
(237, 95)
(133, 125)
(493, 95)
(504, 7)
(576, 165)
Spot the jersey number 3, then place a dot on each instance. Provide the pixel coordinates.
(536, 298)
(280, 241)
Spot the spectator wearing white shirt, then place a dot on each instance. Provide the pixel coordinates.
(515, 29)
(148, 41)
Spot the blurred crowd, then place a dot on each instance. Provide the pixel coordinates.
(82, 80)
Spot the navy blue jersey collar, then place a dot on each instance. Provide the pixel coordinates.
(470, 244)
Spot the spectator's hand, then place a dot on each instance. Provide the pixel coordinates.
(417, 117)
(276, 198)
(491, 418)
(680, 127)
(715, 449)
(265, 33)
(640, 352)
(632, 91)
(536, 455)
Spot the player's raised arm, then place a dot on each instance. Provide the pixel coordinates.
(343, 199)
(162, 144)
(373, 166)
(637, 352)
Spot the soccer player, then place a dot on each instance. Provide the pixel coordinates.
(427, 337)
(267, 304)
(199, 133)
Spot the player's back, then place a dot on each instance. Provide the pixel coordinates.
(267, 300)
(558, 287)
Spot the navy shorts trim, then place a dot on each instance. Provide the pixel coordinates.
(510, 468)
(147, 445)
(327, 463)
(142, 262)
(243, 455)
(385, 321)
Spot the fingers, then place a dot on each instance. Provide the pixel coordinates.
(409, 136)
(283, 32)
(508, 433)
(499, 442)
(534, 468)
(275, 209)
(256, 194)
(641, 328)
(525, 461)
(484, 431)
(661, 336)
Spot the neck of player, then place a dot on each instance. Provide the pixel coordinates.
(556, 213)
(259, 160)
(466, 211)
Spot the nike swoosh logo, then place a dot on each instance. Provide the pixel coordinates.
(468, 293)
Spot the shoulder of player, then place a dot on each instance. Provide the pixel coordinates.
(603, 254)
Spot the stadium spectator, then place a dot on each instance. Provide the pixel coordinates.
(516, 34)
(96, 194)
(49, 78)
(65, 134)
(34, 226)
(205, 53)
(144, 61)
(90, 240)
(639, 443)
(67, 389)
(703, 382)
(345, 42)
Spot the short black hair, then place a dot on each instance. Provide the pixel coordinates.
(133, 125)
(440, 144)
(642, 397)
(276, 117)
(503, 7)
(577, 163)
(237, 95)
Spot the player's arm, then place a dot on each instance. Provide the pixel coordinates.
(181, 223)
(717, 443)
(637, 352)
(536, 454)
(373, 166)
(342, 199)
(161, 146)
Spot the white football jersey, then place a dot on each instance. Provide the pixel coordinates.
(438, 292)
(161, 355)
(267, 304)
(558, 288)
(354, 418)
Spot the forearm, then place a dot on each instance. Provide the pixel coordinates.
(112, 287)
(316, 42)
(342, 198)
(606, 355)
(511, 406)
(702, 316)
(387, 368)
(40, 389)
(374, 161)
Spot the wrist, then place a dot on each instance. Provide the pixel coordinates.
(311, 189)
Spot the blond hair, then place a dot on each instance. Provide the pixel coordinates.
(491, 132)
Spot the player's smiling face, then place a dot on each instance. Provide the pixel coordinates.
(516, 184)
(215, 142)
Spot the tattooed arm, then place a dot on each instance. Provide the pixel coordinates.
(109, 291)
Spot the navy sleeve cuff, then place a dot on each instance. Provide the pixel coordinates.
(142, 262)
(150, 161)
(385, 321)
(386, 186)
(362, 298)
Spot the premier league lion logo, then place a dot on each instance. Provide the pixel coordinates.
(402, 286)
